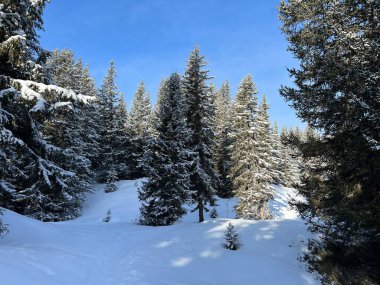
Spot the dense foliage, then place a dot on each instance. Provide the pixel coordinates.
(337, 93)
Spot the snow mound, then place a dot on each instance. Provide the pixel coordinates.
(89, 251)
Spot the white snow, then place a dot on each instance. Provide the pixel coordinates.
(89, 251)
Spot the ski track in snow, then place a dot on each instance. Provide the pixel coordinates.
(89, 251)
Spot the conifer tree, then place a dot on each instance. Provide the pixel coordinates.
(36, 177)
(20, 53)
(139, 128)
(108, 98)
(164, 194)
(248, 186)
(122, 143)
(232, 239)
(222, 155)
(199, 109)
(264, 152)
(337, 92)
(278, 174)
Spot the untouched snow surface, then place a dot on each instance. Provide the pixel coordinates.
(89, 251)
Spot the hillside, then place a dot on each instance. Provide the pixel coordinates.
(89, 251)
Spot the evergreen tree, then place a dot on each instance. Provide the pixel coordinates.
(250, 189)
(278, 171)
(199, 109)
(139, 128)
(108, 100)
(122, 143)
(3, 227)
(164, 194)
(63, 70)
(155, 111)
(222, 155)
(232, 239)
(36, 176)
(337, 92)
(264, 150)
(20, 53)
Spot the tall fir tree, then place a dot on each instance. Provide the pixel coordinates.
(203, 179)
(108, 100)
(222, 153)
(139, 128)
(278, 171)
(164, 194)
(246, 161)
(337, 92)
(264, 152)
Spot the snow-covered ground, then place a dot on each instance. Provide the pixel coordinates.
(89, 251)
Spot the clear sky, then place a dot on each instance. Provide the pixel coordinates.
(150, 39)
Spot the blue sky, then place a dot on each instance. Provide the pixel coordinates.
(150, 39)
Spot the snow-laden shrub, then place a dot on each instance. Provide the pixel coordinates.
(107, 218)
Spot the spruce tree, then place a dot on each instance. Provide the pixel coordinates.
(139, 129)
(164, 194)
(248, 186)
(337, 92)
(108, 100)
(264, 152)
(199, 109)
(222, 155)
(278, 174)
(36, 176)
(232, 239)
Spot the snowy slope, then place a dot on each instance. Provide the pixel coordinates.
(89, 251)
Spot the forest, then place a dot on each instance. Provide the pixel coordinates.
(61, 136)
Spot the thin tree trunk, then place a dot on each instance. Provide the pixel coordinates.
(200, 208)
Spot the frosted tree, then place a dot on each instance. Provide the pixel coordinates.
(222, 153)
(247, 183)
(164, 194)
(20, 53)
(108, 100)
(122, 143)
(336, 91)
(34, 178)
(265, 167)
(155, 111)
(231, 238)
(278, 171)
(139, 128)
(199, 109)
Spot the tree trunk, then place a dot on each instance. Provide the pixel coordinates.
(200, 208)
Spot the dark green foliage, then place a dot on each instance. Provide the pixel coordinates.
(203, 179)
(231, 238)
(139, 129)
(164, 194)
(222, 148)
(213, 213)
(114, 158)
(337, 93)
